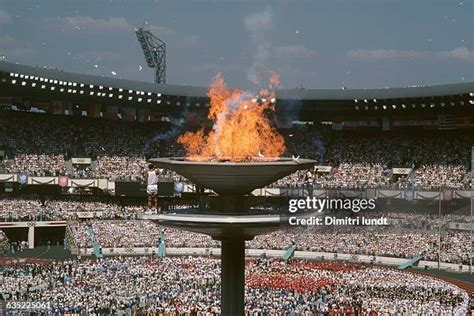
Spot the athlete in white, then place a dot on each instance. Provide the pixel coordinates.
(152, 186)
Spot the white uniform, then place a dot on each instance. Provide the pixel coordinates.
(152, 187)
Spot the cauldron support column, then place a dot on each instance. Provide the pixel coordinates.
(232, 277)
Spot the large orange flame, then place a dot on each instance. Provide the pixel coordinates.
(241, 128)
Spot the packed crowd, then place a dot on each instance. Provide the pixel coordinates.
(402, 241)
(191, 286)
(34, 208)
(359, 160)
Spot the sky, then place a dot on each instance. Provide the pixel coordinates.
(311, 44)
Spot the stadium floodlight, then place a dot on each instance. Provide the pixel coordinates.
(130, 98)
(149, 100)
(55, 82)
(91, 86)
(384, 107)
(423, 105)
(442, 104)
(130, 91)
(16, 75)
(158, 102)
(404, 106)
(432, 105)
(154, 50)
(120, 90)
(168, 102)
(110, 88)
(23, 83)
(81, 92)
(394, 106)
(120, 96)
(100, 87)
(43, 86)
(471, 94)
(413, 105)
(139, 99)
(74, 91)
(142, 92)
(357, 107)
(13, 81)
(27, 77)
(355, 100)
(471, 101)
(137, 92)
(82, 85)
(53, 88)
(149, 93)
(91, 93)
(69, 83)
(178, 103)
(376, 107)
(365, 100)
(461, 102)
(73, 84)
(11, 74)
(33, 84)
(22, 76)
(159, 95)
(452, 103)
(61, 90)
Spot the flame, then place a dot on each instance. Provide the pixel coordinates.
(241, 130)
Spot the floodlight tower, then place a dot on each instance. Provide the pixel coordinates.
(154, 50)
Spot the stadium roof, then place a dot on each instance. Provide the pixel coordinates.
(199, 92)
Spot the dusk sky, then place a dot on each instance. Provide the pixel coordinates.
(316, 44)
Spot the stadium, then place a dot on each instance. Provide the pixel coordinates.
(82, 232)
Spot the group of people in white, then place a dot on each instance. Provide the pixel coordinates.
(191, 286)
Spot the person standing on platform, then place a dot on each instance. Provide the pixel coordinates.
(152, 187)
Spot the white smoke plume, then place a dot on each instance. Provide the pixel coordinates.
(259, 25)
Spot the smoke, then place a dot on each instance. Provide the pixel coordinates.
(259, 25)
(168, 135)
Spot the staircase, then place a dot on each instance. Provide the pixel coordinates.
(413, 261)
(95, 245)
(162, 245)
(69, 167)
(94, 164)
(289, 253)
